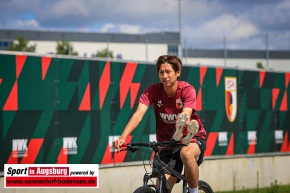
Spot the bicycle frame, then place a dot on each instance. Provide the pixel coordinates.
(158, 169)
(160, 166)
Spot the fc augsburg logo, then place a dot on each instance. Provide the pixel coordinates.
(231, 97)
(179, 103)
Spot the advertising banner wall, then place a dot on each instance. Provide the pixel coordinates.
(69, 110)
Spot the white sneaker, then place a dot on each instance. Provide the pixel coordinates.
(180, 124)
(192, 128)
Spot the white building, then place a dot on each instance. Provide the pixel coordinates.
(272, 60)
(139, 47)
(147, 47)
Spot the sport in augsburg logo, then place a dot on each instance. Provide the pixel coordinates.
(231, 97)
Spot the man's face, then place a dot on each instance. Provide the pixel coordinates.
(167, 75)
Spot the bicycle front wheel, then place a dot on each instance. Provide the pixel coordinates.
(144, 189)
(204, 187)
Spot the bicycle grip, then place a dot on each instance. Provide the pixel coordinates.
(123, 147)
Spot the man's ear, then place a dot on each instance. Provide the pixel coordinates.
(178, 73)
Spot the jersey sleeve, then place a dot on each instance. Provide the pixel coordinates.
(189, 97)
(146, 96)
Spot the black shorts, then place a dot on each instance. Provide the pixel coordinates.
(175, 162)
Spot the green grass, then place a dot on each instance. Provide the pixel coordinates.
(275, 188)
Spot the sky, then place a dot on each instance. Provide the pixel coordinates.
(232, 24)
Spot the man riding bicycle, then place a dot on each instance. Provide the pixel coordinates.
(174, 105)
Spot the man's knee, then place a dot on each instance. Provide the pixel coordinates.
(190, 152)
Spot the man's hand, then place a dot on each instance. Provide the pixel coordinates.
(118, 143)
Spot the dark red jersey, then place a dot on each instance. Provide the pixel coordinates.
(167, 108)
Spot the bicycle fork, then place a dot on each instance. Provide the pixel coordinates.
(163, 185)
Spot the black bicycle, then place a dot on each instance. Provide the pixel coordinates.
(158, 168)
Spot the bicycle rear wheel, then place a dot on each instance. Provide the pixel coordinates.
(204, 187)
(144, 189)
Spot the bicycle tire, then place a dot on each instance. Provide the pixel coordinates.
(144, 189)
(205, 187)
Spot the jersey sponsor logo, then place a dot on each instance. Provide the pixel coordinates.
(231, 98)
(179, 103)
(169, 118)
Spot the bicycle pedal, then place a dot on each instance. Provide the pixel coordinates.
(180, 124)
(192, 129)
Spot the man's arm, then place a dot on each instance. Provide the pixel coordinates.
(188, 111)
(131, 125)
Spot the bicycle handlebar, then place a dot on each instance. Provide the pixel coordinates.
(169, 144)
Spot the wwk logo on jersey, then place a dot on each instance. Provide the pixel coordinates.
(169, 118)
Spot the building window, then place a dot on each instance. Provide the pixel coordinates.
(4, 44)
(119, 56)
(172, 50)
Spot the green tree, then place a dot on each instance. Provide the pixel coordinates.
(105, 53)
(21, 45)
(260, 65)
(65, 48)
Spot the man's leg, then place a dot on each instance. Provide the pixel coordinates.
(167, 158)
(189, 155)
(171, 180)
